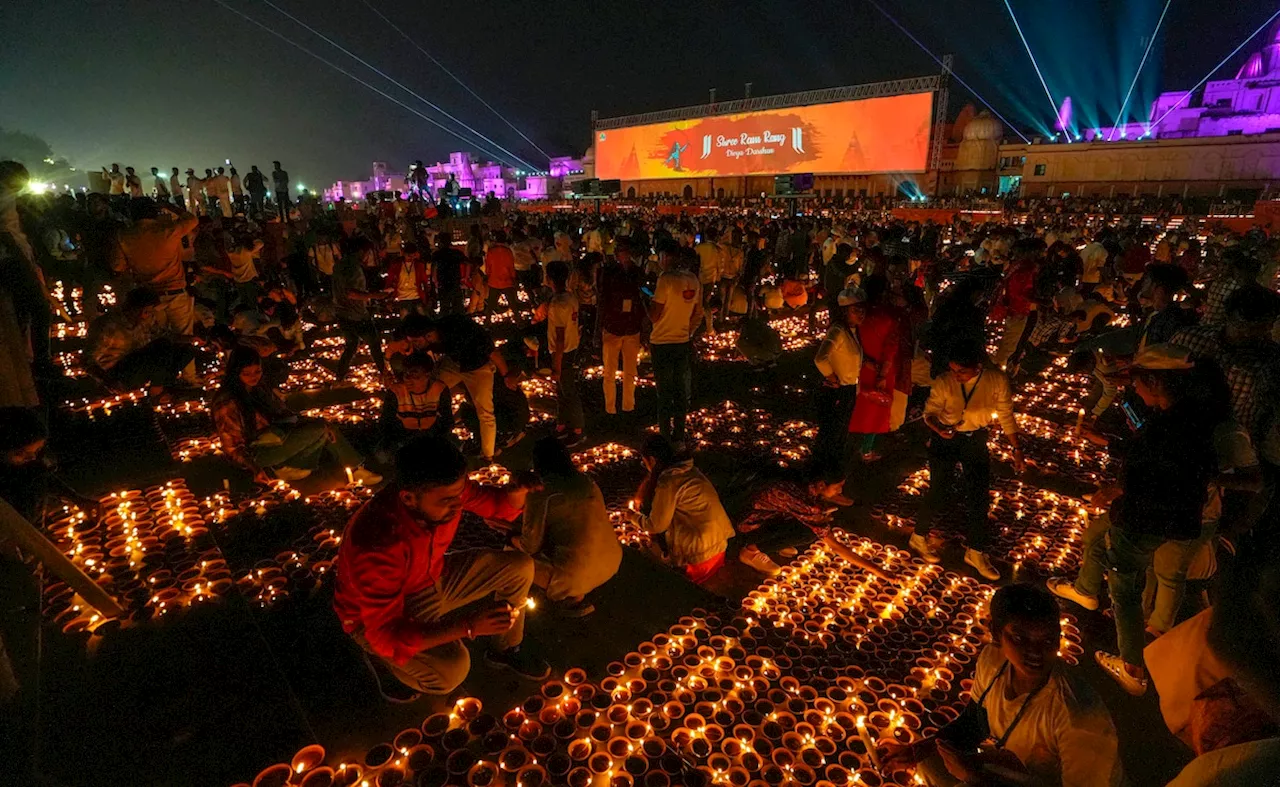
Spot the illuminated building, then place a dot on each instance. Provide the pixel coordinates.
(1248, 104)
(481, 177)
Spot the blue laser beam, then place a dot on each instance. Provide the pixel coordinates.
(454, 77)
(1141, 63)
(1053, 105)
(1206, 77)
(938, 60)
(350, 75)
(516, 159)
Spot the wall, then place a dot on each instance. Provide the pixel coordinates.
(1200, 167)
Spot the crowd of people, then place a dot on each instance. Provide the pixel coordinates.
(204, 283)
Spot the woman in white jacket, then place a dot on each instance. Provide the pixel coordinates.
(685, 510)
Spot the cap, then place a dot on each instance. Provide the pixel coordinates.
(1163, 356)
(851, 296)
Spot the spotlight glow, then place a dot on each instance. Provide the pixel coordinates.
(1141, 63)
(1053, 105)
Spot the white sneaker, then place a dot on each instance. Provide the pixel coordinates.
(1065, 588)
(979, 561)
(1115, 667)
(752, 556)
(366, 477)
(290, 473)
(920, 545)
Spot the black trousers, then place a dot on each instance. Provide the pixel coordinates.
(835, 408)
(963, 458)
(673, 373)
(355, 332)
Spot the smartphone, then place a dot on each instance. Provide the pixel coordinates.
(1135, 421)
(647, 291)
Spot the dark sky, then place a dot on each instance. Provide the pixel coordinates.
(188, 83)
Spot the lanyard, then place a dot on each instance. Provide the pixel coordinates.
(969, 394)
(1018, 717)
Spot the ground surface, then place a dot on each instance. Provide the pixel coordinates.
(214, 694)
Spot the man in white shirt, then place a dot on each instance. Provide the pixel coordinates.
(160, 189)
(218, 187)
(237, 190)
(1094, 257)
(562, 342)
(839, 359)
(962, 404)
(1043, 721)
(175, 188)
(675, 309)
(132, 183)
(195, 199)
(115, 180)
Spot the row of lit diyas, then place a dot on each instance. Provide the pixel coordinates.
(1034, 529)
(596, 372)
(729, 427)
(149, 549)
(794, 332)
(1054, 448)
(805, 684)
(1053, 392)
(303, 566)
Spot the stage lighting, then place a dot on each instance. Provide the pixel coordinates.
(35, 187)
(1125, 104)
(1052, 104)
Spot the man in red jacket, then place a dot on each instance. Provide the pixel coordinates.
(407, 603)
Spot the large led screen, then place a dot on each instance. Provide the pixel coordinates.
(868, 135)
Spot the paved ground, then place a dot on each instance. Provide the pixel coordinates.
(211, 696)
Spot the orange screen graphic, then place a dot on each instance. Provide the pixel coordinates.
(868, 135)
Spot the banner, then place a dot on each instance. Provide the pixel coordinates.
(869, 135)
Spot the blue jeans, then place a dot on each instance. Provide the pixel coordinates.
(673, 373)
(1129, 556)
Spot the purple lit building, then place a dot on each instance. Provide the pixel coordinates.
(1247, 104)
(481, 177)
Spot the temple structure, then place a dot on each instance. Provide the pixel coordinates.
(480, 176)
(1247, 104)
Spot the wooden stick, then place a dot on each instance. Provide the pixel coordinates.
(15, 527)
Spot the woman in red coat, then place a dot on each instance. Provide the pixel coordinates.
(881, 337)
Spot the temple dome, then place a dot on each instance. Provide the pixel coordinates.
(1252, 68)
(983, 128)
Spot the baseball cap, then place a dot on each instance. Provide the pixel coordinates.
(1163, 356)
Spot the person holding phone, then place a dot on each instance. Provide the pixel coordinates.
(959, 413)
(1030, 719)
(1160, 497)
(408, 602)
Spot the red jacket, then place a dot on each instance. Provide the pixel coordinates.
(387, 555)
(419, 269)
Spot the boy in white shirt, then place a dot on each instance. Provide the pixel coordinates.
(562, 341)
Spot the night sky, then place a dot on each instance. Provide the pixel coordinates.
(189, 83)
